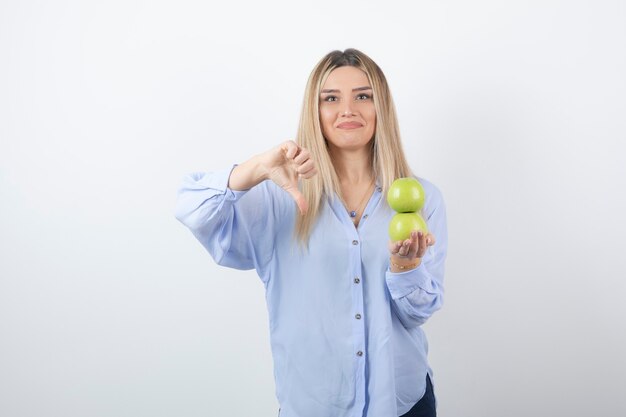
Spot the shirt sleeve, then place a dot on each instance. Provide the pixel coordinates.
(418, 293)
(224, 220)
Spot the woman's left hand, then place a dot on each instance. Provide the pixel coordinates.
(407, 254)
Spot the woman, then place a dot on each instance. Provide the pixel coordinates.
(345, 304)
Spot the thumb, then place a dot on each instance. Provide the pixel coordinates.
(299, 199)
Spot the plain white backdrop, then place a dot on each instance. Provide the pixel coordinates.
(110, 308)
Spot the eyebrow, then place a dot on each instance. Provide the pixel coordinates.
(354, 89)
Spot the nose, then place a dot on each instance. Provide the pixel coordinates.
(346, 108)
(347, 111)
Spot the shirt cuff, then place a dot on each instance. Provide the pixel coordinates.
(218, 181)
(401, 284)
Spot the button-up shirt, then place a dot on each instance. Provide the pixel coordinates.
(345, 331)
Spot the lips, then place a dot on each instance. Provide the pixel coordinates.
(349, 125)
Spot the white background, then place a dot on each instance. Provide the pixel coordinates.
(110, 308)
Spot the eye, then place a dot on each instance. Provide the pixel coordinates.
(363, 96)
(329, 99)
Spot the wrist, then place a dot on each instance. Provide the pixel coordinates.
(400, 264)
(248, 174)
(259, 168)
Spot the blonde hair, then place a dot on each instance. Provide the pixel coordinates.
(387, 156)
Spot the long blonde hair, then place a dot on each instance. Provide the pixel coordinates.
(388, 160)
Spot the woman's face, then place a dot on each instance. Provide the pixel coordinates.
(347, 112)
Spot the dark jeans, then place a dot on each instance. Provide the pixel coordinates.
(426, 406)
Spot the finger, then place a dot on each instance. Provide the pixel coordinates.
(404, 248)
(430, 239)
(394, 247)
(309, 174)
(299, 199)
(291, 149)
(305, 167)
(302, 156)
(414, 246)
(422, 244)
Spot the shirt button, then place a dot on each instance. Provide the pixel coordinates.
(365, 216)
(357, 316)
(357, 280)
(359, 353)
(355, 242)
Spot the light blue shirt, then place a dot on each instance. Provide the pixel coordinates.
(345, 332)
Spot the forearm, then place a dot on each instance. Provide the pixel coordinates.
(416, 308)
(248, 174)
(415, 294)
(207, 207)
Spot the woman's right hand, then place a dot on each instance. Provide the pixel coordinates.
(285, 164)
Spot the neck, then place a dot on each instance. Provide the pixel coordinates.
(352, 167)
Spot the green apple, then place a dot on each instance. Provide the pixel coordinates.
(406, 195)
(402, 224)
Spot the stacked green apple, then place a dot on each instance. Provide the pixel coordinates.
(406, 196)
